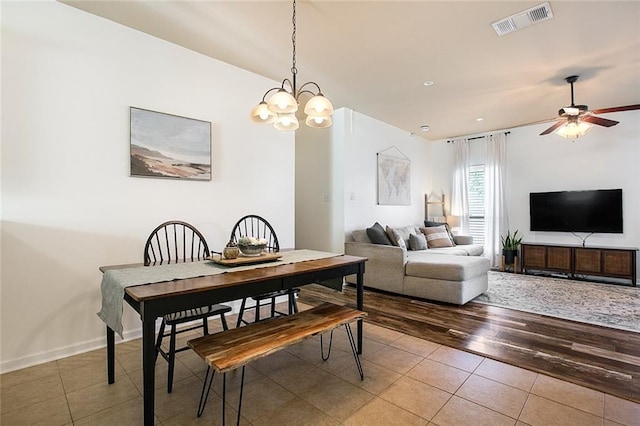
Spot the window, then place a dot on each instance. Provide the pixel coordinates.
(475, 187)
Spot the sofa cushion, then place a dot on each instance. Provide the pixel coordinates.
(445, 267)
(437, 236)
(360, 236)
(429, 224)
(417, 242)
(377, 235)
(403, 232)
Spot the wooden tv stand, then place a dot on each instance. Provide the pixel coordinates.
(579, 262)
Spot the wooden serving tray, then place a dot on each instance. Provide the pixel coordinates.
(245, 260)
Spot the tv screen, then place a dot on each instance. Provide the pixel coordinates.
(577, 211)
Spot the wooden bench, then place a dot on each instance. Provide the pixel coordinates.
(228, 350)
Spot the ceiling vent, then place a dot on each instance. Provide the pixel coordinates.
(523, 19)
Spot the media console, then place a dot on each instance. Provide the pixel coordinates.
(580, 262)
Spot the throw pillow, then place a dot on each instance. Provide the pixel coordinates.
(400, 242)
(404, 234)
(377, 235)
(437, 237)
(417, 242)
(429, 224)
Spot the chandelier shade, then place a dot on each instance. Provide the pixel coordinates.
(319, 106)
(574, 129)
(286, 122)
(281, 106)
(262, 114)
(283, 102)
(319, 122)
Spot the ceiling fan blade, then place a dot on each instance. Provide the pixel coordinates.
(616, 109)
(560, 123)
(599, 121)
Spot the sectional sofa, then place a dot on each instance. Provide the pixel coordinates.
(454, 274)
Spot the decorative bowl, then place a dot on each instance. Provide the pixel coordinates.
(251, 249)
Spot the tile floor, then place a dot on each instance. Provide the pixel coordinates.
(408, 381)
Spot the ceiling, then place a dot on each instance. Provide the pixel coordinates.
(374, 56)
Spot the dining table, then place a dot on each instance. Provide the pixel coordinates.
(153, 295)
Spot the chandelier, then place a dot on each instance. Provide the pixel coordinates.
(280, 109)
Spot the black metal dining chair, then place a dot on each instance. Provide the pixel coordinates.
(258, 227)
(175, 242)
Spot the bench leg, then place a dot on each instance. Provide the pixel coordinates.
(352, 343)
(206, 387)
(224, 396)
(354, 350)
(324, 358)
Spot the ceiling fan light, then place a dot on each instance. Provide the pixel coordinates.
(573, 130)
(262, 114)
(283, 102)
(286, 122)
(318, 122)
(319, 106)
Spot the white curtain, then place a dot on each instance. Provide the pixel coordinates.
(496, 222)
(460, 193)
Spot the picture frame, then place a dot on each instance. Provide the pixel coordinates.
(394, 180)
(169, 146)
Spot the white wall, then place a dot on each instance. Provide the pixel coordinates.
(336, 179)
(320, 186)
(364, 138)
(68, 203)
(605, 158)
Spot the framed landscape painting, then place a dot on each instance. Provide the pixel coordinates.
(169, 146)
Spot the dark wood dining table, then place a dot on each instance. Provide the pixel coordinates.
(154, 300)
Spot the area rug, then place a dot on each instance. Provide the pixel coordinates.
(607, 305)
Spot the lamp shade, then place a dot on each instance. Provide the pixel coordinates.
(318, 106)
(262, 114)
(573, 129)
(318, 122)
(286, 122)
(283, 102)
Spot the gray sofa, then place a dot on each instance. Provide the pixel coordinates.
(447, 274)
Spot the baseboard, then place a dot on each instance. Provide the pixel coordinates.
(89, 345)
(64, 352)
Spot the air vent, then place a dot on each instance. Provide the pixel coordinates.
(523, 19)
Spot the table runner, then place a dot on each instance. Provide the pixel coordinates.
(114, 281)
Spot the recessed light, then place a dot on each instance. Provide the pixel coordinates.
(428, 83)
(479, 119)
(424, 128)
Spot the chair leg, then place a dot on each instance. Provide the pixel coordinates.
(273, 307)
(159, 340)
(172, 358)
(223, 320)
(241, 312)
(293, 305)
(205, 326)
(257, 311)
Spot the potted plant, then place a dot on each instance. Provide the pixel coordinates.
(510, 245)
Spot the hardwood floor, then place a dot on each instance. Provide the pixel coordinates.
(600, 358)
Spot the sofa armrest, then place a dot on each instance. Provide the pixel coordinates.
(463, 240)
(385, 266)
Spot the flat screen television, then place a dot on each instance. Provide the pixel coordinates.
(595, 211)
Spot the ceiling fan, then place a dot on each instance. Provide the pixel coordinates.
(577, 120)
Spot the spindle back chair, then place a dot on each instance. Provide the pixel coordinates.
(176, 242)
(258, 227)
